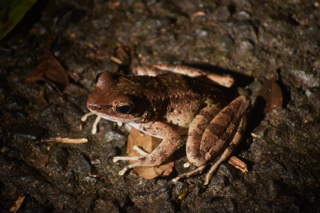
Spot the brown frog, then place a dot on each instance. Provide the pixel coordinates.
(169, 105)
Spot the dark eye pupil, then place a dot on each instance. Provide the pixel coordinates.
(97, 78)
(124, 109)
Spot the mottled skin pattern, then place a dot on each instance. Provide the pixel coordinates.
(158, 105)
(162, 98)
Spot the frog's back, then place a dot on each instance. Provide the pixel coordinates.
(177, 87)
(177, 98)
(193, 86)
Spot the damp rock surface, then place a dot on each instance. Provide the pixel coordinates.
(247, 39)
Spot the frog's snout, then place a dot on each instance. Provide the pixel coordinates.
(91, 102)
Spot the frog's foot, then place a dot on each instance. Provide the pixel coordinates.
(215, 166)
(200, 169)
(130, 166)
(238, 164)
(227, 152)
(171, 140)
(223, 133)
(85, 116)
(95, 124)
(188, 174)
(138, 149)
(135, 158)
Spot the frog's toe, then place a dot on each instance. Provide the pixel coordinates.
(116, 159)
(134, 158)
(95, 125)
(188, 174)
(130, 166)
(210, 173)
(174, 180)
(123, 171)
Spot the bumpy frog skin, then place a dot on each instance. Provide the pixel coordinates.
(164, 105)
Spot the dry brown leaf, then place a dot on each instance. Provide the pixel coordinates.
(114, 5)
(43, 97)
(148, 144)
(44, 160)
(199, 13)
(67, 140)
(50, 71)
(184, 194)
(115, 60)
(271, 93)
(16, 206)
(239, 164)
(122, 54)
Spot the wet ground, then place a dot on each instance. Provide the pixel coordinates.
(247, 39)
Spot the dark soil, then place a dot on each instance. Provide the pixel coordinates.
(247, 39)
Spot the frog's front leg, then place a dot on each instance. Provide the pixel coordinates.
(220, 136)
(171, 141)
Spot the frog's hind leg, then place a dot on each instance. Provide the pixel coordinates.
(196, 130)
(228, 128)
(227, 152)
(222, 134)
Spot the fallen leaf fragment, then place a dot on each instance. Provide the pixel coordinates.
(199, 13)
(114, 5)
(254, 135)
(115, 60)
(122, 54)
(43, 97)
(44, 160)
(271, 94)
(67, 140)
(50, 71)
(184, 194)
(4, 119)
(239, 164)
(16, 206)
(148, 144)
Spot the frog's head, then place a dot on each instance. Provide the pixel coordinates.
(117, 99)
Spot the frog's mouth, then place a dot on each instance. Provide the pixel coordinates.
(100, 109)
(107, 112)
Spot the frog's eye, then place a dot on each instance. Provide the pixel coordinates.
(124, 107)
(97, 78)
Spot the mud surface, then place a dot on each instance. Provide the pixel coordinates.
(248, 39)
